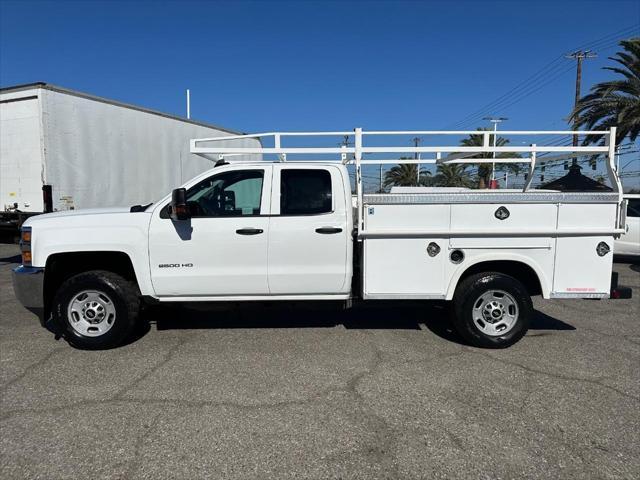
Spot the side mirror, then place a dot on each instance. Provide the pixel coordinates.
(178, 209)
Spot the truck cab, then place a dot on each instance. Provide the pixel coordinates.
(278, 230)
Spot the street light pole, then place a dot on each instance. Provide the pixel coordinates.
(495, 121)
(416, 156)
(495, 141)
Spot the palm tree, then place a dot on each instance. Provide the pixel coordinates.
(405, 175)
(484, 169)
(452, 175)
(616, 102)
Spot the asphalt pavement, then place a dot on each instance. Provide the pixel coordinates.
(287, 391)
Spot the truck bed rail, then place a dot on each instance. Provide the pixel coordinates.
(472, 196)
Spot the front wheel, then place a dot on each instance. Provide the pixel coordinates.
(96, 309)
(492, 310)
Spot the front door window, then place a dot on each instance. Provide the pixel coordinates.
(229, 194)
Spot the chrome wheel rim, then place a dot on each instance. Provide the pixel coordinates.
(495, 313)
(91, 313)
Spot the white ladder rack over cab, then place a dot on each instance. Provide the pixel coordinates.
(220, 148)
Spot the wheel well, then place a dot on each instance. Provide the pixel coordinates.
(518, 270)
(62, 266)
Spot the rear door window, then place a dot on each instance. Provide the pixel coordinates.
(305, 192)
(633, 207)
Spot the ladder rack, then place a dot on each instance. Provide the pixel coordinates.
(222, 148)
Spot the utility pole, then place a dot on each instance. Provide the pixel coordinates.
(416, 156)
(188, 104)
(495, 121)
(345, 142)
(578, 56)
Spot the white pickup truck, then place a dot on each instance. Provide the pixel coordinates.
(292, 230)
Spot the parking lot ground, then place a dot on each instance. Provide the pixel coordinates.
(292, 392)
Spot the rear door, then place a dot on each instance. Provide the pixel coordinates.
(308, 237)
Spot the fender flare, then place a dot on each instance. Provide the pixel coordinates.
(545, 284)
(141, 276)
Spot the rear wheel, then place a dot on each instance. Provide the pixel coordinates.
(492, 310)
(96, 309)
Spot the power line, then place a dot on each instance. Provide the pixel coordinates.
(521, 86)
(521, 94)
(631, 29)
(532, 84)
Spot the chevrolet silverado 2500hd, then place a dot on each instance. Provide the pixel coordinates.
(291, 230)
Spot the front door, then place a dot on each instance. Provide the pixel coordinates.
(309, 239)
(222, 249)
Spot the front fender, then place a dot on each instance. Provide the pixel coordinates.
(119, 232)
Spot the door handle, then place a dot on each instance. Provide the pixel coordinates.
(328, 230)
(249, 231)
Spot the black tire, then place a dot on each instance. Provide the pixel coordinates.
(467, 296)
(123, 296)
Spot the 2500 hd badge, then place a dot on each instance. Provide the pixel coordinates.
(175, 265)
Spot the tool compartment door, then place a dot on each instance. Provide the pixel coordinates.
(402, 267)
(578, 268)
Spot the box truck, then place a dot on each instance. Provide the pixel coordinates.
(64, 150)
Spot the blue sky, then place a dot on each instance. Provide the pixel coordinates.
(305, 65)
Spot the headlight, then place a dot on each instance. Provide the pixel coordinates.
(25, 245)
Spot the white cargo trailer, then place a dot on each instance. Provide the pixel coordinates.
(65, 150)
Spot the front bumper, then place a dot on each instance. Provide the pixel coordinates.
(28, 285)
